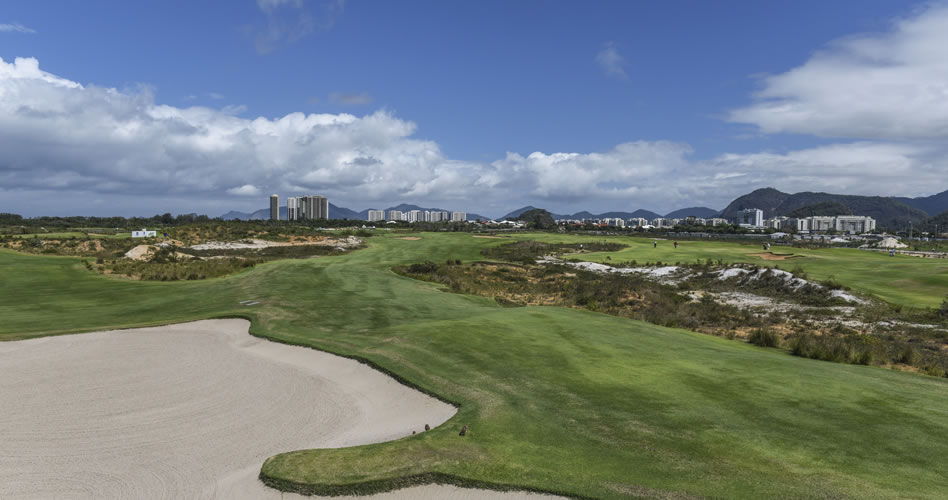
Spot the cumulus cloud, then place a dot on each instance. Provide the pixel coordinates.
(15, 28)
(611, 61)
(891, 85)
(350, 98)
(66, 143)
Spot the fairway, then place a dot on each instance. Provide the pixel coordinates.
(557, 400)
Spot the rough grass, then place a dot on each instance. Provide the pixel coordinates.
(555, 399)
(910, 281)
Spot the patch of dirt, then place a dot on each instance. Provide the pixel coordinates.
(409, 238)
(141, 252)
(774, 256)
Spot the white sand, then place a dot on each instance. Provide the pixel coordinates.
(187, 411)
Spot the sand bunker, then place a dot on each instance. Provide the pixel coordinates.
(141, 252)
(774, 256)
(409, 238)
(183, 411)
(188, 411)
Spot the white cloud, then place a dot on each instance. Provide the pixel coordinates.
(891, 85)
(350, 98)
(215, 95)
(611, 61)
(288, 21)
(85, 142)
(15, 28)
(245, 190)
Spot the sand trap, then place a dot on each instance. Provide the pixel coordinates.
(188, 411)
(141, 252)
(774, 256)
(409, 238)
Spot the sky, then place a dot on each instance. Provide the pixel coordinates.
(137, 108)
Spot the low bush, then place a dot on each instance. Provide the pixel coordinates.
(764, 338)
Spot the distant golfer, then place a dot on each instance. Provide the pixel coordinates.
(676, 244)
(655, 244)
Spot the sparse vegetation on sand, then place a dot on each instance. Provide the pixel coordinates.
(555, 399)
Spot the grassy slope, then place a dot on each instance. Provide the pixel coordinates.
(904, 280)
(555, 399)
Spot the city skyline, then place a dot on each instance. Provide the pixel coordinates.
(219, 124)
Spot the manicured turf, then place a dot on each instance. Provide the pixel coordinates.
(555, 399)
(901, 279)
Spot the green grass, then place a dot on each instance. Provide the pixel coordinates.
(555, 399)
(71, 234)
(911, 281)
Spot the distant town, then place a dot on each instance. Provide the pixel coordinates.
(316, 207)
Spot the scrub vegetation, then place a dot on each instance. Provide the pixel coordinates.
(557, 399)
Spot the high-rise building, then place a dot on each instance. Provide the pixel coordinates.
(395, 215)
(434, 216)
(458, 216)
(376, 215)
(292, 209)
(753, 217)
(274, 207)
(416, 216)
(313, 207)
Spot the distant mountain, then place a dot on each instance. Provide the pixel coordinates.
(702, 212)
(518, 212)
(937, 223)
(588, 215)
(766, 199)
(932, 205)
(888, 212)
(234, 215)
(823, 208)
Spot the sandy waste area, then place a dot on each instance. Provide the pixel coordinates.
(188, 411)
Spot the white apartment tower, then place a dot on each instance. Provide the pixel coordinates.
(458, 216)
(751, 216)
(292, 209)
(376, 215)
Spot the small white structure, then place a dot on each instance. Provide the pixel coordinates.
(144, 233)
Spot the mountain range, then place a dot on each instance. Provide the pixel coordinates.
(703, 212)
(889, 212)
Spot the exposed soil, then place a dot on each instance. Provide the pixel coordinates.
(774, 256)
(409, 238)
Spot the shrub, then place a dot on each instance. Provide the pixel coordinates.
(425, 267)
(764, 338)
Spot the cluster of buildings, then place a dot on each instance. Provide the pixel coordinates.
(753, 218)
(656, 223)
(300, 208)
(416, 216)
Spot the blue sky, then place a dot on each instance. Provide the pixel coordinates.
(483, 106)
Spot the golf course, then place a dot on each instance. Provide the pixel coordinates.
(555, 400)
